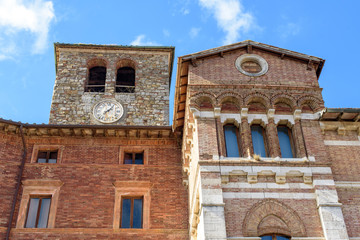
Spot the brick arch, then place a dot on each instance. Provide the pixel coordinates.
(223, 97)
(257, 97)
(283, 98)
(125, 62)
(273, 224)
(197, 99)
(257, 222)
(229, 98)
(315, 103)
(97, 62)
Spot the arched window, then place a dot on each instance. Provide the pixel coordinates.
(125, 80)
(96, 80)
(232, 142)
(274, 237)
(285, 141)
(258, 136)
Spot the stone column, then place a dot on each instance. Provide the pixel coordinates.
(212, 214)
(332, 219)
(245, 135)
(298, 136)
(110, 81)
(220, 133)
(272, 136)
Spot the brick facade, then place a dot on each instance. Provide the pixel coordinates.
(190, 187)
(249, 196)
(88, 171)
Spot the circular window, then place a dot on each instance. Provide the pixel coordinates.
(251, 65)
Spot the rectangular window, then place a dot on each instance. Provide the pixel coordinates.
(274, 237)
(231, 141)
(133, 158)
(38, 212)
(284, 134)
(131, 212)
(47, 156)
(258, 140)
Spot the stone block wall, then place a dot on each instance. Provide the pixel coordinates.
(148, 105)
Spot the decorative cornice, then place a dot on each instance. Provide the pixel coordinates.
(87, 130)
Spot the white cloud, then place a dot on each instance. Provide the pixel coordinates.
(185, 11)
(289, 29)
(194, 32)
(231, 17)
(141, 41)
(166, 33)
(7, 49)
(20, 16)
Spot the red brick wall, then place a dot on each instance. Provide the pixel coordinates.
(94, 234)
(236, 210)
(10, 159)
(217, 70)
(207, 139)
(345, 159)
(345, 167)
(88, 169)
(216, 80)
(350, 198)
(314, 141)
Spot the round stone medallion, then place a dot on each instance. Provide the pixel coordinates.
(251, 65)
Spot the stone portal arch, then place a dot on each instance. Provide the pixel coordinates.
(272, 216)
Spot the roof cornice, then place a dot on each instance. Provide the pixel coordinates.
(9, 126)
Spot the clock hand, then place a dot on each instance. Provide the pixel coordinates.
(108, 110)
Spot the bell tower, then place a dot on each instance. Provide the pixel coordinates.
(110, 84)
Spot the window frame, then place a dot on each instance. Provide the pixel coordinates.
(45, 148)
(133, 159)
(134, 149)
(132, 198)
(33, 188)
(275, 235)
(41, 197)
(264, 139)
(237, 132)
(291, 139)
(48, 154)
(129, 189)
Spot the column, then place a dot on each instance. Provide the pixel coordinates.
(245, 135)
(298, 136)
(332, 219)
(272, 137)
(212, 214)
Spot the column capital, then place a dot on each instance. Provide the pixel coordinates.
(244, 113)
(271, 113)
(297, 114)
(217, 111)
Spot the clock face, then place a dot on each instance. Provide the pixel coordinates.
(108, 111)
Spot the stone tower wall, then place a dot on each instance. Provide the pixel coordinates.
(148, 105)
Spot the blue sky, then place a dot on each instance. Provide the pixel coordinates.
(28, 28)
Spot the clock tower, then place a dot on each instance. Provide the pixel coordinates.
(110, 84)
